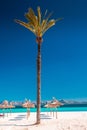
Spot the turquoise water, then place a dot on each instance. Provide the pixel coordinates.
(60, 109)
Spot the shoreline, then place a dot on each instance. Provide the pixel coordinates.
(59, 109)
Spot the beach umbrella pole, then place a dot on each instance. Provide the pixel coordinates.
(10, 111)
(28, 112)
(53, 112)
(56, 113)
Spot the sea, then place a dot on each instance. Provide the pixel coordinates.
(59, 109)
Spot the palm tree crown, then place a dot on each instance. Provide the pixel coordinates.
(37, 24)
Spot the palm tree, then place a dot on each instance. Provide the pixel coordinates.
(38, 25)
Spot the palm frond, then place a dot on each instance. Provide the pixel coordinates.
(59, 19)
(31, 17)
(26, 25)
(44, 22)
(49, 25)
(39, 15)
(49, 16)
(45, 13)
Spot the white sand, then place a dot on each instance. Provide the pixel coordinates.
(65, 121)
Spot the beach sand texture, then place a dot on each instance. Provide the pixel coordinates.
(65, 121)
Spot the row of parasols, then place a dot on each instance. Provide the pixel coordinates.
(53, 105)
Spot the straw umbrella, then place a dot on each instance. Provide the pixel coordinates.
(53, 104)
(5, 105)
(10, 106)
(5, 102)
(56, 104)
(28, 105)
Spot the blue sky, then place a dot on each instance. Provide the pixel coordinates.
(64, 51)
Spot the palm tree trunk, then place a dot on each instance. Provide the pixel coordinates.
(38, 80)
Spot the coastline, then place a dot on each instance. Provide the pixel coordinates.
(65, 121)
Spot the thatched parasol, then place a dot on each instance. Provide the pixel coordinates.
(28, 105)
(6, 105)
(5, 102)
(10, 106)
(54, 104)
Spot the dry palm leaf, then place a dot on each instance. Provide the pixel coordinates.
(37, 24)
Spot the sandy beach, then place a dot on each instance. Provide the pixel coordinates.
(65, 121)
